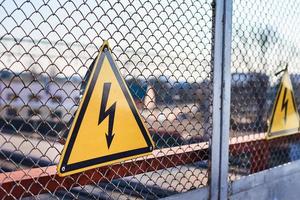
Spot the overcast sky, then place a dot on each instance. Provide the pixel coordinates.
(170, 38)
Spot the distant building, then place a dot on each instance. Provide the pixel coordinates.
(32, 96)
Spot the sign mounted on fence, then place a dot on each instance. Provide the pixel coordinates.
(285, 117)
(107, 127)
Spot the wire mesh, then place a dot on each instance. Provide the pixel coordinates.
(163, 50)
(264, 41)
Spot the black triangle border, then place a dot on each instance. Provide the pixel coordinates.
(64, 168)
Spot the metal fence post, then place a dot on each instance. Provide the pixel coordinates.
(221, 99)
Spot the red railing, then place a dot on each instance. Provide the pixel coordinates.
(43, 180)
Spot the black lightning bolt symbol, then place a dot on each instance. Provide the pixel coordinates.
(284, 104)
(110, 113)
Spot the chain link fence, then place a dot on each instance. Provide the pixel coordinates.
(163, 50)
(264, 40)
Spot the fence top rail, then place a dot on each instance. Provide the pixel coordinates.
(24, 182)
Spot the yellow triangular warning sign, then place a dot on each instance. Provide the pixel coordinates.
(107, 127)
(285, 117)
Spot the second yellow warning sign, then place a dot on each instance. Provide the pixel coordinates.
(285, 117)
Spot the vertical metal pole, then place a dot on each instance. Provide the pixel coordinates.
(226, 94)
(221, 99)
(217, 88)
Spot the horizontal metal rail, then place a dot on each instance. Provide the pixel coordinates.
(44, 180)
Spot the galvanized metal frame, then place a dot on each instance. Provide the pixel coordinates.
(282, 181)
(199, 194)
(221, 99)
